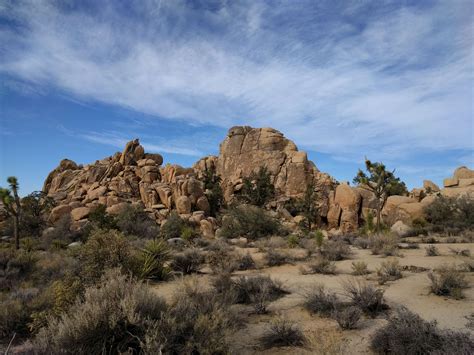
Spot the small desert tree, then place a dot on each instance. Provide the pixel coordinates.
(12, 205)
(214, 194)
(34, 208)
(307, 206)
(257, 188)
(381, 182)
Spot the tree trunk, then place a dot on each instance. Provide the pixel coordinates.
(15, 232)
(379, 210)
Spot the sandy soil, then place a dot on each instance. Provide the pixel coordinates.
(324, 335)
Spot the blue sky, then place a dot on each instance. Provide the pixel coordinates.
(390, 80)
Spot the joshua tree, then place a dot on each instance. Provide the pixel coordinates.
(212, 184)
(12, 205)
(381, 182)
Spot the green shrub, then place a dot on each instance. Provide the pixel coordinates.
(248, 221)
(133, 220)
(152, 259)
(101, 219)
(451, 212)
(448, 281)
(282, 333)
(103, 250)
(214, 193)
(118, 316)
(407, 333)
(257, 188)
(293, 241)
(173, 227)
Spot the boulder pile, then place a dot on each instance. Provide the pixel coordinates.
(137, 177)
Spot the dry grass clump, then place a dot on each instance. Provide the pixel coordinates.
(368, 298)
(448, 281)
(460, 252)
(188, 262)
(222, 260)
(320, 265)
(276, 258)
(390, 270)
(348, 317)
(362, 243)
(384, 244)
(407, 333)
(320, 301)
(359, 268)
(282, 333)
(468, 265)
(336, 250)
(431, 250)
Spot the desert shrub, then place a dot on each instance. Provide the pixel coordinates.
(335, 250)
(103, 250)
(460, 252)
(359, 268)
(282, 333)
(407, 333)
(274, 242)
(384, 244)
(320, 265)
(368, 298)
(101, 219)
(390, 270)
(14, 318)
(246, 262)
(133, 220)
(248, 221)
(222, 260)
(276, 258)
(448, 281)
(318, 300)
(151, 261)
(431, 250)
(293, 241)
(188, 262)
(347, 317)
(34, 211)
(362, 243)
(173, 226)
(115, 317)
(213, 188)
(60, 234)
(15, 266)
(451, 212)
(198, 322)
(257, 189)
(468, 265)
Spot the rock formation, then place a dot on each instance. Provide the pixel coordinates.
(137, 177)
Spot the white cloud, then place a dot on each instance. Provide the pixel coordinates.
(403, 83)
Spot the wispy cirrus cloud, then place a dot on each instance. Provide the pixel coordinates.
(346, 80)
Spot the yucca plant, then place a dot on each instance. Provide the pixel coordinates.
(153, 258)
(12, 205)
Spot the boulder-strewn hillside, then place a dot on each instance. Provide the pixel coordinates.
(137, 177)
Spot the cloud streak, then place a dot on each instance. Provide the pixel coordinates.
(346, 81)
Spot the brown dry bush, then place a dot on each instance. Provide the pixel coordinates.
(460, 252)
(368, 298)
(359, 268)
(336, 250)
(276, 258)
(320, 265)
(282, 333)
(390, 270)
(448, 281)
(431, 250)
(348, 317)
(384, 244)
(246, 262)
(320, 301)
(407, 333)
(188, 262)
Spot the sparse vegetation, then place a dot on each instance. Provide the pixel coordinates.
(248, 221)
(320, 301)
(460, 252)
(390, 270)
(365, 296)
(431, 250)
(407, 333)
(448, 281)
(384, 244)
(336, 250)
(276, 258)
(320, 265)
(188, 262)
(282, 333)
(359, 268)
(348, 317)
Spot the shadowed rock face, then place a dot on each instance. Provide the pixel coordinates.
(134, 176)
